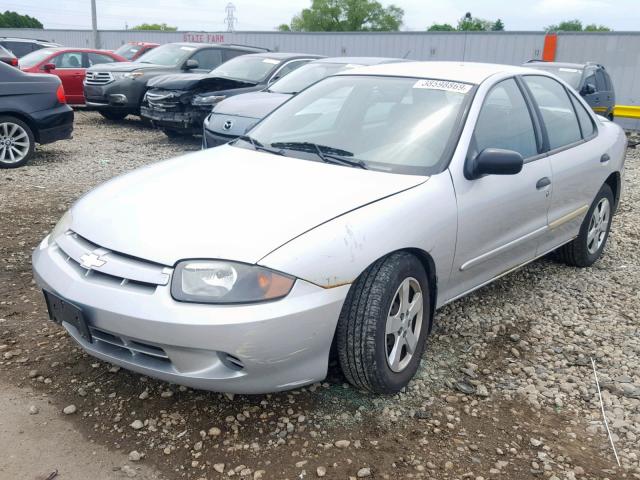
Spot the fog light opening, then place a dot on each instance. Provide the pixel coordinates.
(232, 362)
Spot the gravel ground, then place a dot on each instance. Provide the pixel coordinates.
(506, 389)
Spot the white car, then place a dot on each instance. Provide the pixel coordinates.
(235, 269)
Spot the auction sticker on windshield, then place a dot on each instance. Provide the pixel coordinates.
(271, 61)
(443, 85)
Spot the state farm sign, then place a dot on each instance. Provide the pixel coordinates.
(203, 37)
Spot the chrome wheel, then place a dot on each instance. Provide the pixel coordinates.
(598, 225)
(14, 143)
(404, 323)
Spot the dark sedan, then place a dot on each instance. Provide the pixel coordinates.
(32, 110)
(178, 104)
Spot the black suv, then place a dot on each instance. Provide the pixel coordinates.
(117, 89)
(591, 80)
(21, 46)
(32, 110)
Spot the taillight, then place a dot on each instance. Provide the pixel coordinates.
(14, 62)
(60, 94)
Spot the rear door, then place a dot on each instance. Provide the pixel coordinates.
(70, 68)
(501, 218)
(574, 154)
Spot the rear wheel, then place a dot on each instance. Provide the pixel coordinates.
(17, 142)
(113, 115)
(587, 247)
(384, 323)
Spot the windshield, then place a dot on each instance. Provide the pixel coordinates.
(246, 68)
(570, 75)
(306, 75)
(34, 58)
(128, 50)
(170, 54)
(393, 124)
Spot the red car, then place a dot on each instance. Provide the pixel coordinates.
(134, 50)
(69, 64)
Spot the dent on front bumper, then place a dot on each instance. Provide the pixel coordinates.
(229, 348)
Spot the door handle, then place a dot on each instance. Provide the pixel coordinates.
(543, 182)
(605, 158)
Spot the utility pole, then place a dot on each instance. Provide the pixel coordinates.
(94, 25)
(231, 19)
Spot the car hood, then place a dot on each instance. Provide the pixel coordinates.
(227, 202)
(127, 67)
(252, 105)
(193, 81)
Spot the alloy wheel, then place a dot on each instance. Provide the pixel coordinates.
(14, 143)
(404, 323)
(598, 225)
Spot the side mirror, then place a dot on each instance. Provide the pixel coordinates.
(47, 67)
(588, 89)
(191, 64)
(494, 161)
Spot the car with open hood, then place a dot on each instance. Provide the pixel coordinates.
(178, 104)
(234, 116)
(116, 89)
(341, 221)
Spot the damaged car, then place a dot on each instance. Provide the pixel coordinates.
(116, 90)
(236, 115)
(340, 222)
(178, 104)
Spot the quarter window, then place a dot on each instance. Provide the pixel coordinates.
(505, 122)
(586, 123)
(556, 109)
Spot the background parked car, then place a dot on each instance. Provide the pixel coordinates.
(116, 90)
(591, 80)
(32, 110)
(70, 64)
(178, 104)
(236, 115)
(8, 57)
(134, 50)
(23, 46)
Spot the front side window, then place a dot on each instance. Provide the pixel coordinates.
(208, 58)
(68, 60)
(288, 68)
(170, 54)
(393, 124)
(556, 110)
(505, 122)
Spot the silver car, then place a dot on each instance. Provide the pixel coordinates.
(348, 215)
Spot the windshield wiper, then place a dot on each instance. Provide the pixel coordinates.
(259, 146)
(327, 154)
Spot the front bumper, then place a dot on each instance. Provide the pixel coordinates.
(121, 94)
(255, 348)
(211, 139)
(189, 120)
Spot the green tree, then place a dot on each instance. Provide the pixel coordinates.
(10, 19)
(441, 27)
(284, 28)
(566, 26)
(155, 26)
(497, 26)
(596, 28)
(346, 16)
(469, 23)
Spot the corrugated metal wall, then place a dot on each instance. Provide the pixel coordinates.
(618, 51)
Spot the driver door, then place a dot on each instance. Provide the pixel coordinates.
(501, 218)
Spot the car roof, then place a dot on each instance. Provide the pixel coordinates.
(468, 72)
(220, 45)
(30, 40)
(66, 49)
(541, 63)
(363, 61)
(283, 55)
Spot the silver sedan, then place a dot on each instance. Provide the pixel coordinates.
(346, 217)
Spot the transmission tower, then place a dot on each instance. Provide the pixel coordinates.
(231, 18)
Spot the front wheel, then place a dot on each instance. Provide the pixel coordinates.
(17, 142)
(384, 324)
(587, 247)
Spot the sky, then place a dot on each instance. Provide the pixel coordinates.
(208, 15)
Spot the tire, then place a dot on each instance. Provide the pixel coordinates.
(175, 133)
(610, 116)
(364, 347)
(587, 247)
(17, 143)
(113, 115)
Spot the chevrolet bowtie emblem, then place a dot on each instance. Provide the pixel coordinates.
(91, 260)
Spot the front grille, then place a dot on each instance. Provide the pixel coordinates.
(162, 101)
(105, 266)
(98, 78)
(127, 348)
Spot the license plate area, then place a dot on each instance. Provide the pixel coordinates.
(62, 311)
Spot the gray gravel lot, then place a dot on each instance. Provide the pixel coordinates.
(506, 389)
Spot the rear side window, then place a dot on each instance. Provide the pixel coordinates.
(586, 123)
(505, 122)
(208, 59)
(97, 58)
(19, 49)
(556, 109)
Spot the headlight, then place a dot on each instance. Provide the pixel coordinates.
(218, 281)
(61, 227)
(119, 75)
(207, 100)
